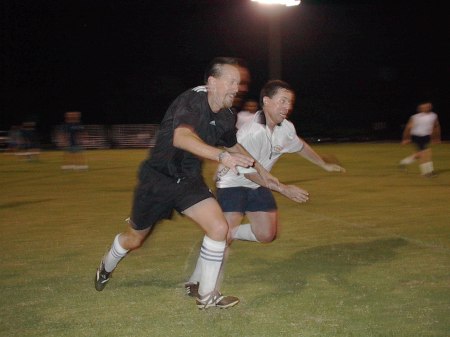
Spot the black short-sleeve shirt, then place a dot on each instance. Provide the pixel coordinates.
(190, 109)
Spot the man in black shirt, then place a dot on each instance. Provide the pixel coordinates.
(195, 123)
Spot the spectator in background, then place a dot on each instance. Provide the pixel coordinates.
(243, 86)
(29, 144)
(14, 139)
(73, 133)
(248, 112)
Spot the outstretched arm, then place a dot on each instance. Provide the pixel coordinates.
(290, 191)
(262, 177)
(265, 176)
(186, 139)
(308, 153)
(406, 138)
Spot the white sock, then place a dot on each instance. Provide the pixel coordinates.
(408, 160)
(426, 168)
(115, 254)
(211, 254)
(244, 232)
(197, 274)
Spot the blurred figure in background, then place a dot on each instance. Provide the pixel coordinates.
(422, 128)
(73, 133)
(29, 144)
(14, 139)
(248, 112)
(243, 86)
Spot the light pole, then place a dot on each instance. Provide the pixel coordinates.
(275, 34)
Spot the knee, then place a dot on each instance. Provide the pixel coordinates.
(266, 236)
(265, 231)
(131, 241)
(219, 231)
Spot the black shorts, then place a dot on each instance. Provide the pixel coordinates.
(157, 195)
(421, 141)
(244, 199)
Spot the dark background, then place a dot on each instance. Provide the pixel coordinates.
(352, 63)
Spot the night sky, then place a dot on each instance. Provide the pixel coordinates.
(352, 63)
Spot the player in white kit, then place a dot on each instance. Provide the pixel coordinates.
(422, 128)
(266, 137)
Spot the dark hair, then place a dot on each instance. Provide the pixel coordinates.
(423, 103)
(271, 88)
(214, 68)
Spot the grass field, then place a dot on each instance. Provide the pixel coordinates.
(369, 255)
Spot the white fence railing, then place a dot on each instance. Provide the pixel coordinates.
(115, 136)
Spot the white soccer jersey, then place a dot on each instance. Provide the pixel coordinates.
(423, 123)
(265, 146)
(243, 117)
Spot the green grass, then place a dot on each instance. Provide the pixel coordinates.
(369, 255)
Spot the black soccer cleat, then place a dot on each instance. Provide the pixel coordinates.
(101, 277)
(191, 289)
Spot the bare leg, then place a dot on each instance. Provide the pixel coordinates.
(264, 225)
(208, 215)
(262, 228)
(124, 242)
(234, 220)
(132, 239)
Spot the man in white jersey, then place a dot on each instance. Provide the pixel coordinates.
(422, 128)
(266, 137)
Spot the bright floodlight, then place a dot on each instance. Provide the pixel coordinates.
(287, 3)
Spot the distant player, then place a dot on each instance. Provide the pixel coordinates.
(195, 125)
(266, 137)
(29, 144)
(422, 128)
(73, 132)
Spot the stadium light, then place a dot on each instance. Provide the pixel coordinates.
(275, 35)
(287, 3)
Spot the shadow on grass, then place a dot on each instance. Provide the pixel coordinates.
(158, 282)
(15, 204)
(22, 180)
(334, 262)
(442, 171)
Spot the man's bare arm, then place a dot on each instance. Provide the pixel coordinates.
(308, 153)
(290, 191)
(267, 178)
(186, 139)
